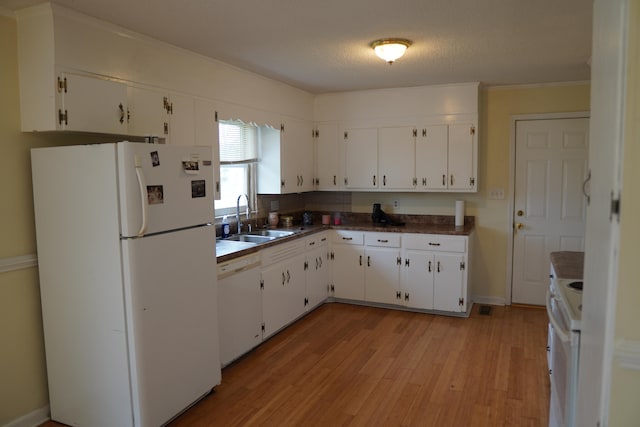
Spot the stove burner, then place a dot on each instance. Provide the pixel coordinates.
(575, 285)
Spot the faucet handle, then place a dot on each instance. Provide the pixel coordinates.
(249, 225)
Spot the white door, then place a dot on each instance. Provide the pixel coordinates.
(382, 275)
(327, 155)
(147, 114)
(549, 207)
(348, 272)
(431, 157)
(461, 157)
(448, 281)
(361, 158)
(418, 279)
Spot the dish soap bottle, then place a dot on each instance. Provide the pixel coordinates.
(225, 227)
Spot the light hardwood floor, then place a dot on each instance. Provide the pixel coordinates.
(362, 366)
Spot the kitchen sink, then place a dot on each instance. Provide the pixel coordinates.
(274, 234)
(251, 238)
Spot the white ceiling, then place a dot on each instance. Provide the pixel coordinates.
(323, 45)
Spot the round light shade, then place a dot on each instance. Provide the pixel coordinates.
(390, 49)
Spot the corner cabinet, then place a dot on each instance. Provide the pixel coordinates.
(286, 158)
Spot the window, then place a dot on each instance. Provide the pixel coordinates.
(238, 157)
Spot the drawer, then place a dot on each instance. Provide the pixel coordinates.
(348, 237)
(389, 240)
(317, 241)
(435, 242)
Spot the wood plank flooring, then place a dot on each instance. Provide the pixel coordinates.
(362, 366)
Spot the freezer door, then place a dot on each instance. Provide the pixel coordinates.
(164, 187)
(171, 304)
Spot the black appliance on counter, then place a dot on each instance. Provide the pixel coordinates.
(379, 217)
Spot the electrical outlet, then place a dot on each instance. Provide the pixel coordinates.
(496, 193)
(395, 204)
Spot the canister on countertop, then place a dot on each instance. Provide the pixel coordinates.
(307, 218)
(274, 219)
(287, 221)
(326, 219)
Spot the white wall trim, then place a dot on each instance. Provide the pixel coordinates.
(479, 299)
(628, 354)
(32, 419)
(18, 262)
(535, 85)
(512, 179)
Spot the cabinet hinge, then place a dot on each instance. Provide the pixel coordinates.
(415, 133)
(407, 262)
(346, 135)
(415, 182)
(472, 181)
(399, 261)
(398, 295)
(333, 289)
(472, 130)
(217, 186)
(306, 266)
(166, 128)
(462, 265)
(346, 181)
(62, 85)
(261, 284)
(63, 117)
(282, 183)
(460, 301)
(615, 207)
(333, 255)
(424, 132)
(216, 116)
(263, 328)
(282, 127)
(306, 302)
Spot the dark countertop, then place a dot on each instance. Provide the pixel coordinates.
(227, 250)
(567, 264)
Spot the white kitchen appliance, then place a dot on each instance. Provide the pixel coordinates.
(127, 263)
(564, 308)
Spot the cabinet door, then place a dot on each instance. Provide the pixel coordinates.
(361, 158)
(417, 283)
(90, 104)
(396, 157)
(239, 313)
(297, 156)
(147, 112)
(327, 157)
(206, 133)
(348, 272)
(432, 157)
(461, 157)
(448, 282)
(317, 277)
(181, 120)
(283, 294)
(382, 275)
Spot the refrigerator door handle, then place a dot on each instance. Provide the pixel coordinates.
(143, 199)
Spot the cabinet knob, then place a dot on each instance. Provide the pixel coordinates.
(519, 226)
(520, 212)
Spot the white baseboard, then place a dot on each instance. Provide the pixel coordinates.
(32, 419)
(628, 354)
(479, 299)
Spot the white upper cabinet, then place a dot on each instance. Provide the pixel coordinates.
(286, 158)
(431, 157)
(463, 157)
(327, 155)
(396, 157)
(360, 148)
(207, 133)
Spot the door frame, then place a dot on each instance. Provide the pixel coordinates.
(512, 179)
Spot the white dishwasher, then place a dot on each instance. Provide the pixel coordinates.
(239, 307)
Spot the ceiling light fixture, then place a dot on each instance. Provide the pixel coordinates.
(390, 49)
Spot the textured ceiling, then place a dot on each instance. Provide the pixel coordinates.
(323, 46)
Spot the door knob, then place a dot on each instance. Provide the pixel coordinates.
(520, 212)
(519, 225)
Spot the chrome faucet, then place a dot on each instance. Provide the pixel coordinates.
(238, 212)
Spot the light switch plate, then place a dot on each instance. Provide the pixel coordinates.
(496, 193)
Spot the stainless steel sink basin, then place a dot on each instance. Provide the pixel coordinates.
(250, 238)
(275, 234)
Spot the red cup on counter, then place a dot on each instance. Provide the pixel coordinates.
(337, 220)
(326, 219)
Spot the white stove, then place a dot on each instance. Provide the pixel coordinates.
(566, 290)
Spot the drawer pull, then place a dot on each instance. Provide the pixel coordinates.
(347, 238)
(383, 241)
(434, 244)
(312, 243)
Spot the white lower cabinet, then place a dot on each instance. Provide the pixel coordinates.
(348, 264)
(435, 272)
(239, 307)
(317, 267)
(283, 285)
(382, 268)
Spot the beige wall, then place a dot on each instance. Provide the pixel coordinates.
(497, 105)
(624, 409)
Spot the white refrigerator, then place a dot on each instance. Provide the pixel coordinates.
(127, 264)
